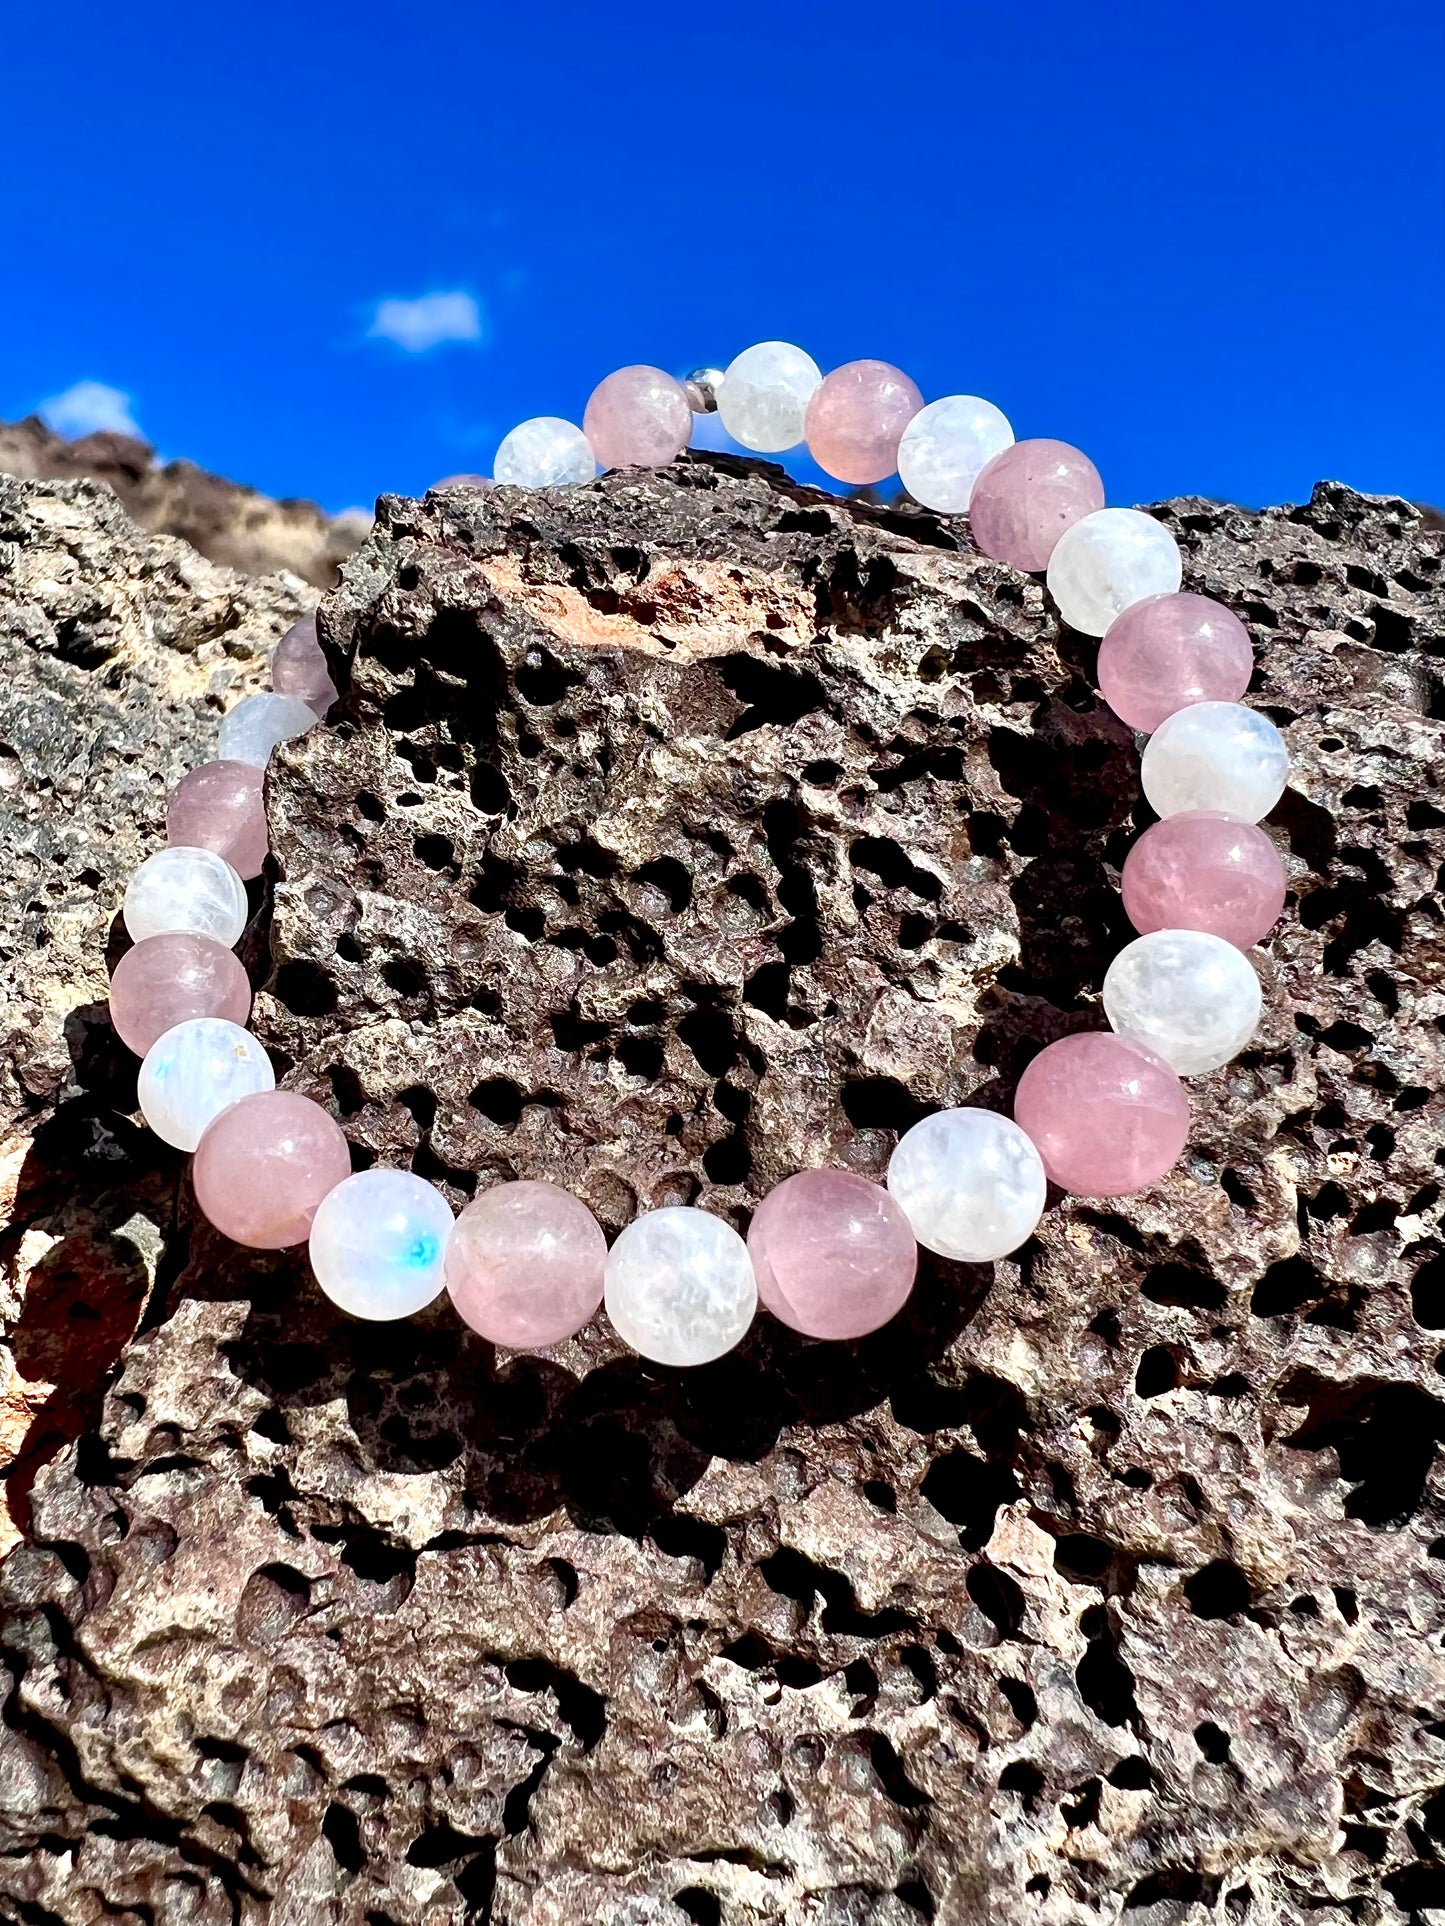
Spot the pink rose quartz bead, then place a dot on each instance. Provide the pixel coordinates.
(525, 1264)
(1027, 496)
(1169, 652)
(1106, 1115)
(219, 806)
(856, 419)
(166, 980)
(638, 418)
(299, 669)
(263, 1166)
(834, 1255)
(1202, 870)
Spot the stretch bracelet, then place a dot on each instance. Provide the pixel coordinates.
(827, 1251)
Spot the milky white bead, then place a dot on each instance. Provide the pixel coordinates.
(1215, 755)
(545, 452)
(191, 891)
(192, 1073)
(947, 446)
(765, 394)
(679, 1286)
(379, 1243)
(1190, 997)
(251, 730)
(970, 1182)
(1107, 562)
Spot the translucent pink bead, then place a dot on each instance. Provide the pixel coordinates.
(856, 419)
(1027, 496)
(1204, 871)
(525, 1264)
(299, 669)
(169, 979)
(638, 417)
(264, 1165)
(1106, 1115)
(1170, 651)
(219, 806)
(833, 1254)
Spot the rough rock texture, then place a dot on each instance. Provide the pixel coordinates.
(677, 831)
(227, 523)
(118, 651)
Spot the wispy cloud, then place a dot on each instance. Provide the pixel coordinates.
(428, 321)
(90, 408)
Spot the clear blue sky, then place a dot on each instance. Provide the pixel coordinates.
(1205, 242)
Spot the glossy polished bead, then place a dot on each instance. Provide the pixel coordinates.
(637, 417)
(185, 889)
(545, 452)
(525, 1263)
(1204, 871)
(264, 1165)
(379, 1243)
(1107, 1116)
(219, 806)
(1169, 651)
(1027, 496)
(194, 1071)
(251, 730)
(834, 1255)
(702, 388)
(765, 394)
(299, 669)
(1107, 562)
(680, 1286)
(971, 1184)
(1190, 997)
(855, 419)
(946, 447)
(167, 979)
(1218, 756)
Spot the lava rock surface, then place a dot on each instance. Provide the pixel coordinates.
(673, 833)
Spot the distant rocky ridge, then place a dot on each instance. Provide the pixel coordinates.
(225, 521)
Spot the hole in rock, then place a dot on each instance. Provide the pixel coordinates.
(668, 876)
(1158, 1372)
(305, 989)
(771, 696)
(1218, 1590)
(342, 1833)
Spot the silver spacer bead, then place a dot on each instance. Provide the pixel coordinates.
(701, 387)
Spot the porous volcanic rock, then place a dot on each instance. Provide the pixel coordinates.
(674, 832)
(222, 520)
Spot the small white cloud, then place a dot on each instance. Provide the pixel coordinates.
(90, 408)
(428, 321)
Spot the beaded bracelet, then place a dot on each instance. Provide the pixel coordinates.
(828, 1252)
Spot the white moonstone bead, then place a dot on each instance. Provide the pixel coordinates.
(545, 452)
(765, 394)
(970, 1183)
(1190, 997)
(1107, 562)
(679, 1286)
(251, 730)
(379, 1243)
(1215, 755)
(191, 891)
(947, 446)
(192, 1073)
